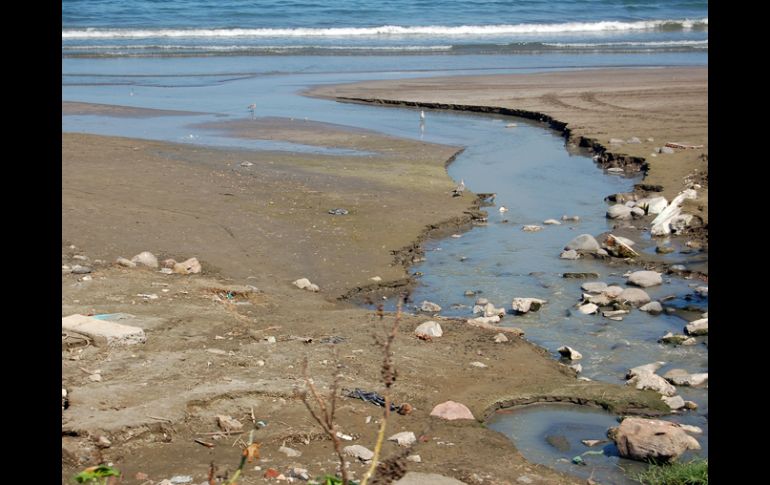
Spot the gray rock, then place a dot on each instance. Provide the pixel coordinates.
(570, 218)
(634, 296)
(180, 479)
(531, 228)
(680, 377)
(614, 313)
(103, 332)
(580, 275)
(430, 307)
(680, 223)
(634, 139)
(500, 338)
(569, 254)
(418, 478)
(653, 382)
(569, 353)
(404, 438)
(228, 423)
(645, 279)
(414, 458)
(481, 301)
(653, 205)
(524, 305)
(601, 300)
(674, 402)
(358, 451)
(689, 341)
(103, 442)
(550, 222)
(637, 212)
(583, 242)
(145, 258)
(613, 291)
(125, 262)
(702, 291)
(302, 284)
(78, 269)
(670, 338)
(644, 369)
(652, 307)
(484, 320)
(619, 212)
(429, 328)
(588, 308)
(690, 429)
(698, 327)
(594, 286)
(489, 310)
(578, 368)
(664, 249)
(290, 452)
(651, 439)
(666, 150)
(190, 266)
(616, 141)
(615, 170)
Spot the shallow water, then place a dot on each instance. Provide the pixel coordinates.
(551, 434)
(527, 166)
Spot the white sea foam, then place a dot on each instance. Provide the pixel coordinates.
(395, 30)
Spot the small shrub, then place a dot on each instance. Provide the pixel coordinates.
(694, 472)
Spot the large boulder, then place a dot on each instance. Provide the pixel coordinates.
(451, 410)
(651, 439)
(569, 353)
(645, 279)
(620, 212)
(698, 327)
(652, 382)
(634, 296)
(584, 242)
(429, 329)
(524, 305)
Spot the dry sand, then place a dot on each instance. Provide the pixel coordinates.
(266, 225)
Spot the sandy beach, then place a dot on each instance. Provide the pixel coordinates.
(258, 220)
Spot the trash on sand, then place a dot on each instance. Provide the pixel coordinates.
(375, 398)
(338, 212)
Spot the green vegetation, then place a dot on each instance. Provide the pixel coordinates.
(96, 475)
(694, 472)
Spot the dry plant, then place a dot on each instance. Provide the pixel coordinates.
(324, 414)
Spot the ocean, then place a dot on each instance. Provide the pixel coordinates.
(118, 28)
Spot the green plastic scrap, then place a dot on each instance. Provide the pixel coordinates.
(578, 461)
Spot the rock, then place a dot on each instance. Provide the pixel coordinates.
(619, 212)
(531, 228)
(569, 254)
(653, 382)
(125, 262)
(680, 377)
(484, 320)
(246, 164)
(664, 249)
(481, 301)
(376, 279)
(615, 170)
(95, 377)
(687, 428)
(358, 451)
(651, 439)
(180, 479)
(594, 286)
(190, 266)
(619, 247)
(674, 402)
(550, 222)
(613, 291)
(451, 410)
(580, 275)
(290, 452)
(690, 405)
(637, 212)
(578, 368)
(583, 242)
(305, 284)
(633, 139)
(670, 338)
(616, 141)
(653, 205)
(666, 150)
(228, 423)
(418, 478)
(645, 279)
(661, 225)
(570, 218)
(429, 306)
(652, 307)
(270, 339)
(429, 328)
(698, 327)
(689, 341)
(404, 438)
(680, 222)
(588, 308)
(78, 269)
(145, 258)
(702, 291)
(414, 458)
(103, 442)
(500, 338)
(569, 353)
(478, 364)
(168, 263)
(634, 296)
(301, 473)
(614, 313)
(339, 212)
(103, 332)
(167, 271)
(490, 311)
(469, 293)
(644, 369)
(524, 305)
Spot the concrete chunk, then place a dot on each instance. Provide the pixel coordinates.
(103, 332)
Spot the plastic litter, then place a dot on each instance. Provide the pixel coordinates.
(377, 399)
(338, 212)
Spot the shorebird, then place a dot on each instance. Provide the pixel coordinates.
(503, 209)
(252, 107)
(422, 115)
(458, 191)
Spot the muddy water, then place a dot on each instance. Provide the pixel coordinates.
(527, 166)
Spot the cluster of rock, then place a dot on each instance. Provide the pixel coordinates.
(645, 377)
(167, 266)
(693, 329)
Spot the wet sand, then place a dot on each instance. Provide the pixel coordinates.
(75, 108)
(266, 225)
(665, 104)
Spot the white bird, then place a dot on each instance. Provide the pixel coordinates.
(458, 191)
(422, 115)
(503, 209)
(252, 107)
